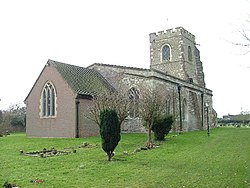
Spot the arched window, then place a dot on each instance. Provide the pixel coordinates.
(190, 56)
(165, 53)
(133, 95)
(48, 100)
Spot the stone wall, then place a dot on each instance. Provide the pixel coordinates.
(127, 77)
(179, 65)
(184, 70)
(199, 69)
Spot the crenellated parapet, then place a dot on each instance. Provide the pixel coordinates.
(175, 32)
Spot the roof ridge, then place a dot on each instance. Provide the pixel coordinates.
(53, 61)
(118, 66)
(82, 80)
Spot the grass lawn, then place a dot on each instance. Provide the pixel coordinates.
(189, 160)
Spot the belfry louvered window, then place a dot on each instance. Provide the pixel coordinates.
(48, 100)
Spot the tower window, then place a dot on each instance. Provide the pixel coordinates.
(190, 57)
(48, 100)
(165, 53)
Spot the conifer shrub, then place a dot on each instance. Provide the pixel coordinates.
(110, 131)
(161, 126)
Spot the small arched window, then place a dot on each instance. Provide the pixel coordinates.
(165, 53)
(48, 100)
(190, 56)
(133, 95)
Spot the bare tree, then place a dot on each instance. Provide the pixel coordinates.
(245, 36)
(152, 104)
(245, 33)
(110, 100)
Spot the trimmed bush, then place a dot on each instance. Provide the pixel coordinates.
(110, 131)
(161, 126)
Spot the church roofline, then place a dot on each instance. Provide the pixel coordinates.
(117, 66)
(64, 69)
(175, 80)
(185, 83)
(82, 80)
(35, 83)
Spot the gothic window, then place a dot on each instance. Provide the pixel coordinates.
(165, 53)
(48, 100)
(133, 95)
(190, 57)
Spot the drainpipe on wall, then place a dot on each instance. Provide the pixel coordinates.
(207, 106)
(77, 117)
(202, 110)
(180, 112)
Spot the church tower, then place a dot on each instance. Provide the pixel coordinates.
(174, 52)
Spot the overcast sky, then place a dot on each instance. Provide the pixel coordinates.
(117, 32)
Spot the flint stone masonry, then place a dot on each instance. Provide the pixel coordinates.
(178, 39)
(127, 77)
(168, 75)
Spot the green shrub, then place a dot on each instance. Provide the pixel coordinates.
(110, 131)
(162, 125)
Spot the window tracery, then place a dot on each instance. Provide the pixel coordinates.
(48, 100)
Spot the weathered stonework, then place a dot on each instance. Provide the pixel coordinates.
(168, 75)
(179, 64)
(179, 77)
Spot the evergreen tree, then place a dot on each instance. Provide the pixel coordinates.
(110, 131)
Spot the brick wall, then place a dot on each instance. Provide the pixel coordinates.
(63, 125)
(87, 126)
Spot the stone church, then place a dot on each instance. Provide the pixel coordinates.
(62, 94)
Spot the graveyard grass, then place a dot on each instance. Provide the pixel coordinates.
(189, 160)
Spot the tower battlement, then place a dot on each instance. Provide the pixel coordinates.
(178, 45)
(178, 31)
